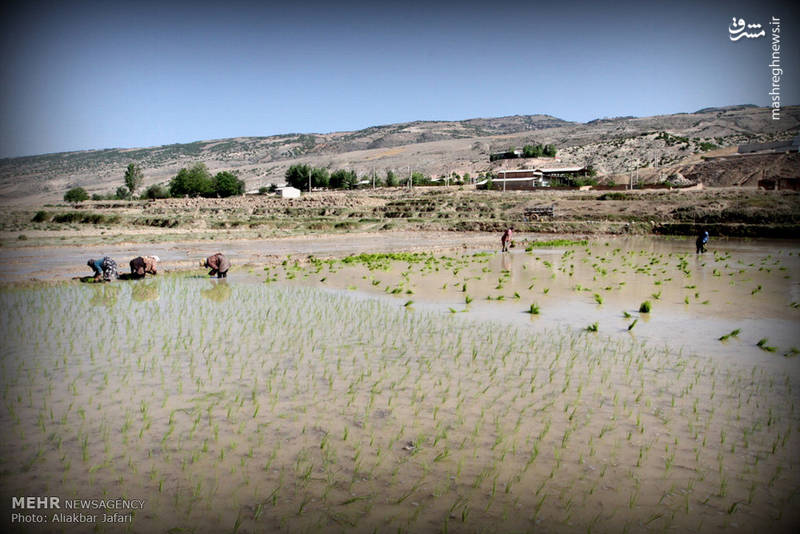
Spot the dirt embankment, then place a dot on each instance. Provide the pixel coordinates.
(724, 211)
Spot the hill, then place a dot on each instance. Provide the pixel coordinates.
(610, 145)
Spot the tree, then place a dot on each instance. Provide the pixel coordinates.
(192, 182)
(297, 176)
(133, 178)
(391, 179)
(76, 194)
(226, 184)
(417, 178)
(550, 151)
(342, 179)
(319, 177)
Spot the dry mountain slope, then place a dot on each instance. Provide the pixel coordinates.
(432, 147)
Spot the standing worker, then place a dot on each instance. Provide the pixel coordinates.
(218, 264)
(505, 240)
(142, 265)
(104, 267)
(702, 239)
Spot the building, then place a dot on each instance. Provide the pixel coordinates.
(771, 184)
(527, 179)
(777, 146)
(288, 192)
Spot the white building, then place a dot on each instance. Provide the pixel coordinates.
(288, 192)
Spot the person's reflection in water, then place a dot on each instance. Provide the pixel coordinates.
(220, 291)
(144, 291)
(506, 261)
(106, 296)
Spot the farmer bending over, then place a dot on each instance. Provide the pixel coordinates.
(218, 264)
(143, 265)
(104, 268)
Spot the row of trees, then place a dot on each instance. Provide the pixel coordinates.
(303, 176)
(539, 151)
(195, 181)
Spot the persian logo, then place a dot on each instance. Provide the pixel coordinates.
(737, 30)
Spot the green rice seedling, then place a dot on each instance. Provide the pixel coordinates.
(592, 327)
(630, 326)
(791, 353)
(598, 299)
(626, 315)
(762, 344)
(534, 309)
(645, 307)
(732, 333)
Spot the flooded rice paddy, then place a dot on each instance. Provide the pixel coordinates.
(470, 392)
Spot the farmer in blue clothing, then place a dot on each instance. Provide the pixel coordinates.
(104, 268)
(702, 239)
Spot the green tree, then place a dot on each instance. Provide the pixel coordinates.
(192, 182)
(550, 151)
(391, 179)
(76, 194)
(319, 177)
(133, 177)
(417, 178)
(342, 179)
(297, 176)
(226, 184)
(532, 151)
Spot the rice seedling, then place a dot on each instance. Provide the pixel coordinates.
(762, 344)
(224, 392)
(645, 307)
(534, 309)
(732, 333)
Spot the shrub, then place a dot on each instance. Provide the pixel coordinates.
(76, 194)
(155, 191)
(41, 216)
(122, 193)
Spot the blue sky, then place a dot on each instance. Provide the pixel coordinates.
(99, 74)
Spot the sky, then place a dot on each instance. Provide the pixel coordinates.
(97, 74)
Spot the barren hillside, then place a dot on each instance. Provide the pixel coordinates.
(616, 145)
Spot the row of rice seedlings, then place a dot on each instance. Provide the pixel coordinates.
(297, 408)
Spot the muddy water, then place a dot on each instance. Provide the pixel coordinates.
(254, 406)
(695, 299)
(59, 263)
